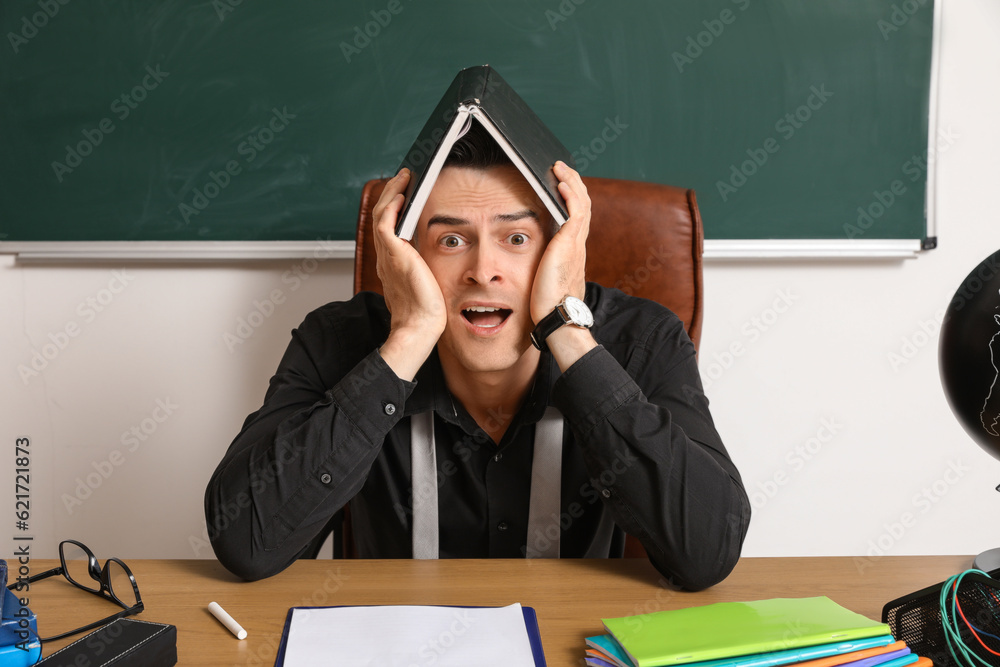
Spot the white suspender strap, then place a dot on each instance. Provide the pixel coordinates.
(423, 477)
(546, 487)
(546, 473)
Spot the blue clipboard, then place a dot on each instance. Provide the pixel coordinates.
(530, 624)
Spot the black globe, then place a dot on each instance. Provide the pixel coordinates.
(969, 354)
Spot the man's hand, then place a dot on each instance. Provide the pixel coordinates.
(411, 292)
(561, 270)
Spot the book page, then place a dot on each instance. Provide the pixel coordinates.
(403, 636)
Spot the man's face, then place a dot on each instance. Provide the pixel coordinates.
(482, 233)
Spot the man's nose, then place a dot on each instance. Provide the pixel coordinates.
(484, 266)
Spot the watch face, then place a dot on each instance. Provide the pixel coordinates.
(578, 312)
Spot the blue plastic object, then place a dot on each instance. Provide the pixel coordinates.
(19, 645)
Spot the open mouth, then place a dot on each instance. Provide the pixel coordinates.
(486, 317)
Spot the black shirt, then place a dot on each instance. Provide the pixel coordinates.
(640, 452)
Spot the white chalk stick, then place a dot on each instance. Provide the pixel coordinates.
(227, 620)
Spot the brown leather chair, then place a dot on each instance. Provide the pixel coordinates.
(645, 239)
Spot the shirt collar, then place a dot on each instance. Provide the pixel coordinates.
(431, 393)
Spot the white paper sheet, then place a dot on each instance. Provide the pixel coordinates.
(408, 636)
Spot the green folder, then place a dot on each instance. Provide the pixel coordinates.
(728, 629)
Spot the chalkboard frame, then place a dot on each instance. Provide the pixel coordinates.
(715, 248)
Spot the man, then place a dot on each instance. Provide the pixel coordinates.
(452, 435)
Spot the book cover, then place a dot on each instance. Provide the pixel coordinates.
(608, 650)
(820, 655)
(125, 642)
(479, 94)
(728, 629)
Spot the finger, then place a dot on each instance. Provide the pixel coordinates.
(386, 212)
(564, 172)
(386, 224)
(574, 192)
(393, 188)
(385, 238)
(571, 186)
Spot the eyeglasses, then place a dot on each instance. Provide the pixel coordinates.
(114, 582)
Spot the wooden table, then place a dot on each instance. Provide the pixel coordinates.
(570, 596)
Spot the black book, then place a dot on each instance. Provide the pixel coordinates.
(480, 94)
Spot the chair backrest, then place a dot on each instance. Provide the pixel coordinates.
(645, 239)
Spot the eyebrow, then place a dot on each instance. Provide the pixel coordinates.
(500, 217)
(517, 215)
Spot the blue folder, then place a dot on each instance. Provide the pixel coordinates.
(591, 661)
(609, 645)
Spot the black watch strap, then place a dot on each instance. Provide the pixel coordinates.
(571, 311)
(546, 327)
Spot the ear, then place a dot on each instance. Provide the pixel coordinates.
(997, 318)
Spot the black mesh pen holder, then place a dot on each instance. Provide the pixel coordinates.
(972, 611)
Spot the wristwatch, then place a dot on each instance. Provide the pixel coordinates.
(571, 311)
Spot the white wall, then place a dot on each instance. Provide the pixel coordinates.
(820, 369)
(835, 355)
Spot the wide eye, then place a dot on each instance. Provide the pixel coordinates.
(517, 239)
(452, 241)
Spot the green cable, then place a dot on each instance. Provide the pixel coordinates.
(950, 623)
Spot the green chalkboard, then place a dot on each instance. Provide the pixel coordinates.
(237, 120)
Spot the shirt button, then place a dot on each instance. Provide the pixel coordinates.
(390, 409)
(497, 457)
(502, 526)
(606, 493)
(325, 478)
